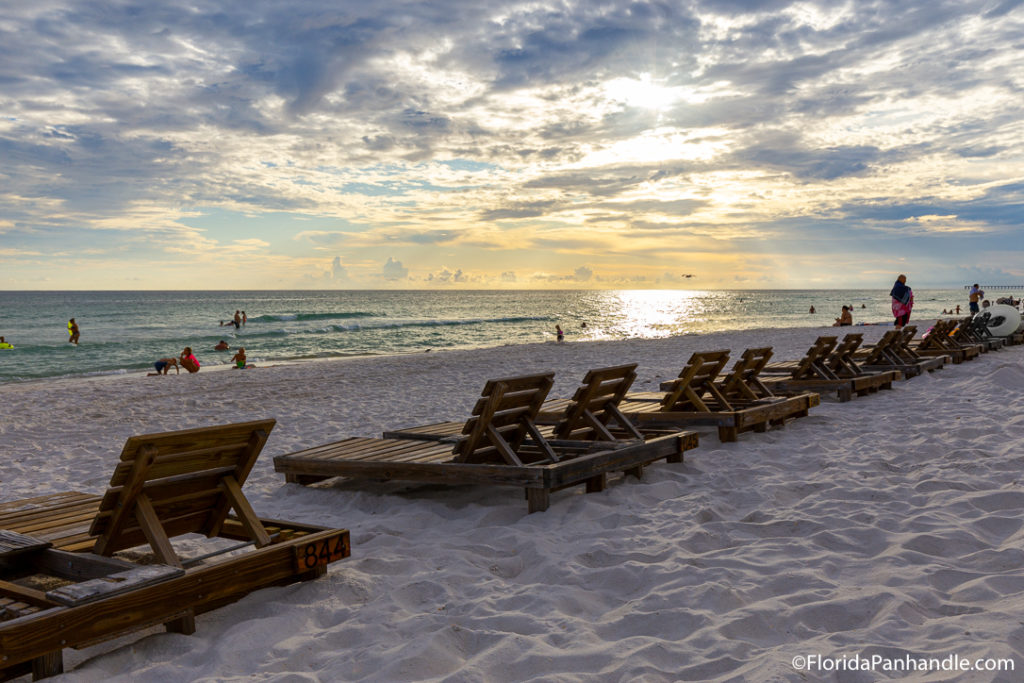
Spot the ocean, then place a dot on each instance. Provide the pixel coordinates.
(125, 332)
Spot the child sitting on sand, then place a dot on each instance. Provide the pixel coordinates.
(844, 319)
(239, 358)
(188, 360)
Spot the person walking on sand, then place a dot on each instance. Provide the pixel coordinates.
(72, 332)
(902, 301)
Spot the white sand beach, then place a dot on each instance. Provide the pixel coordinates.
(889, 526)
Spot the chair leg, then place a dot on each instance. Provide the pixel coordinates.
(726, 434)
(637, 471)
(597, 484)
(50, 664)
(538, 500)
(185, 624)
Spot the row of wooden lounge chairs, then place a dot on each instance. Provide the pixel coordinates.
(515, 438)
(77, 569)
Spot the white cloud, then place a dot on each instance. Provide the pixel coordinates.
(394, 270)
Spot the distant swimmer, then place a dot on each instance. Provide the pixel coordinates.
(73, 332)
(222, 346)
(4, 344)
(812, 310)
(164, 365)
(559, 333)
(237, 319)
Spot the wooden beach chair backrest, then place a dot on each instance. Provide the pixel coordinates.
(595, 405)
(695, 389)
(961, 333)
(841, 361)
(938, 337)
(812, 365)
(502, 419)
(882, 352)
(902, 347)
(743, 382)
(182, 482)
(979, 324)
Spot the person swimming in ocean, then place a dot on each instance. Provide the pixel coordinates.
(222, 346)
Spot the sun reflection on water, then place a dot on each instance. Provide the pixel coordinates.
(649, 313)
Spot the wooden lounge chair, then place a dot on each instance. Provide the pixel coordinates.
(500, 445)
(591, 414)
(939, 342)
(739, 403)
(974, 329)
(830, 365)
(62, 585)
(902, 351)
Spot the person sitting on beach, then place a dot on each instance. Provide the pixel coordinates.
(164, 365)
(188, 360)
(845, 318)
(239, 358)
(222, 346)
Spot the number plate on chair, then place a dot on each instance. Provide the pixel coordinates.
(321, 552)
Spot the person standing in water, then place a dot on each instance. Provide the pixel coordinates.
(73, 332)
(559, 333)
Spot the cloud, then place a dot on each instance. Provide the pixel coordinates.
(394, 270)
(485, 133)
(447, 276)
(338, 272)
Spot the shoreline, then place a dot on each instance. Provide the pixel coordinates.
(888, 525)
(124, 373)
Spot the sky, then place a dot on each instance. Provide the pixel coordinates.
(725, 144)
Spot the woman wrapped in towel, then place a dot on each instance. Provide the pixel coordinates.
(902, 301)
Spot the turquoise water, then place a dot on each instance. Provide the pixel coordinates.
(123, 332)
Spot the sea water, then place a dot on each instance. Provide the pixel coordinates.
(125, 332)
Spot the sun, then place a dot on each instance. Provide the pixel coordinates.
(641, 93)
